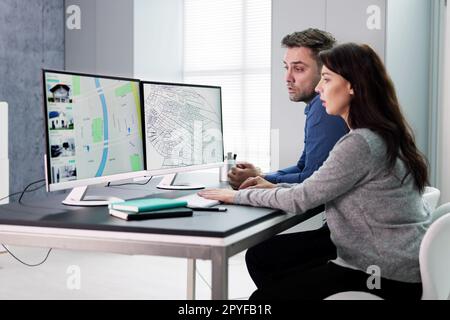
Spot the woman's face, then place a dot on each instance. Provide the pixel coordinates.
(335, 93)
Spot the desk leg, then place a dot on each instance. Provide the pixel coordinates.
(219, 279)
(191, 268)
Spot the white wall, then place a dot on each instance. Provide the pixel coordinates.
(444, 134)
(132, 38)
(114, 37)
(104, 42)
(158, 40)
(407, 61)
(80, 44)
(287, 117)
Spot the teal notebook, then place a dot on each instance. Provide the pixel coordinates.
(158, 214)
(147, 204)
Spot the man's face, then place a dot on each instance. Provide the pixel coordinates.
(302, 74)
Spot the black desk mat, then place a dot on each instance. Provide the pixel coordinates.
(211, 224)
(49, 212)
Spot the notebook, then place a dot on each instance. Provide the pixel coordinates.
(147, 204)
(167, 213)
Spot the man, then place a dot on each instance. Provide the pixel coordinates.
(275, 258)
(322, 131)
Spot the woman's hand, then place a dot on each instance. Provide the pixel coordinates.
(224, 195)
(256, 183)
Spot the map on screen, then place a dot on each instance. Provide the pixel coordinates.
(183, 125)
(94, 126)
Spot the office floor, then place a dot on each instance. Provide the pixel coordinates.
(91, 275)
(87, 275)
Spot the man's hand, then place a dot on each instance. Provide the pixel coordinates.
(241, 172)
(224, 195)
(256, 183)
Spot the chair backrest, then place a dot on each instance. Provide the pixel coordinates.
(439, 212)
(353, 295)
(431, 196)
(434, 260)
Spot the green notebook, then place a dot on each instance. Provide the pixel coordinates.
(158, 214)
(147, 204)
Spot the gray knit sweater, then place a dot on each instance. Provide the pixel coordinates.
(374, 219)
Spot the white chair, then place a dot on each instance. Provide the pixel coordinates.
(434, 259)
(439, 212)
(353, 295)
(431, 196)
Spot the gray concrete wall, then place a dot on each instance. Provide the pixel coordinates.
(31, 38)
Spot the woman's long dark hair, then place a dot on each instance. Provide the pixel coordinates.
(375, 105)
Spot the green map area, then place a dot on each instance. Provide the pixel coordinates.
(136, 162)
(97, 130)
(124, 90)
(76, 85)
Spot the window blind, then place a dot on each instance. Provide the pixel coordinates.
(227, 43)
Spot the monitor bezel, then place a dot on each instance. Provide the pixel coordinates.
(156, 172)
(85, 181)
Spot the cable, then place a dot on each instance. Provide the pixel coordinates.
(25, 190)
(21, 195)
(204, 280)
(27, 264)
(128, 184)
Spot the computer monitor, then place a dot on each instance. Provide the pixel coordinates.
(93, 131)
(183, 129)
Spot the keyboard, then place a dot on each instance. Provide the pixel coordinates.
(195, 201)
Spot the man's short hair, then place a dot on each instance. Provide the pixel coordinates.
(314, 39)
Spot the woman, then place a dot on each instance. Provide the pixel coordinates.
(371, 184)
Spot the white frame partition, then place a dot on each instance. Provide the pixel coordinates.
(4, 159)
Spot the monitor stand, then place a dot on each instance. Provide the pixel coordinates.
(77, 198)
(167, 184)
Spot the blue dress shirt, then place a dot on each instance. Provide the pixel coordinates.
(322, 131)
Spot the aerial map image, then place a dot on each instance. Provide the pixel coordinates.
(183, 125)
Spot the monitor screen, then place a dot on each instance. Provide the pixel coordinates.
(183, 126)
(94, 128)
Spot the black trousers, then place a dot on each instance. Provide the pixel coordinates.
(296, 266)
(274, 259)
(322, 281)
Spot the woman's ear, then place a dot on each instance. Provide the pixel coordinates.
(350, 89)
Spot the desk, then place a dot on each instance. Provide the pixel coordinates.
(207, 235)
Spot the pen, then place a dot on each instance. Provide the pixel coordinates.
(220, 209)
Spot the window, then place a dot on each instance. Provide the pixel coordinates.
(228, 43)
